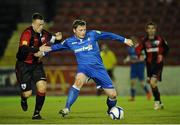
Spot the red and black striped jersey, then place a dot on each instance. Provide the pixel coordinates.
(30, 41)
(153, 48)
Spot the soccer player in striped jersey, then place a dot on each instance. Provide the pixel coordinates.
(156, 48)
(29, 67)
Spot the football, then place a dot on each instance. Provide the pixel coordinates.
(116, 113)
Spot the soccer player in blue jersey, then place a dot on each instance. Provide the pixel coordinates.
(85, 46)
(137, 66)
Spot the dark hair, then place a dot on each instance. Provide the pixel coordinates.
(150, 23)
(77, 23)
(36, 16)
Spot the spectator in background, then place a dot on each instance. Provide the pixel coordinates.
(156, 48)
(109, 61)
(137, 66)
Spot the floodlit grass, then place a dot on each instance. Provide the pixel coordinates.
(90, 109)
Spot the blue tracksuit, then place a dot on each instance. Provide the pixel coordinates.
(87, 54)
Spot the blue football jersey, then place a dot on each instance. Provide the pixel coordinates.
(87, 49)
(132, 53)
(87, 54)
(137, 69)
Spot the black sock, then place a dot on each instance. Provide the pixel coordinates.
(40, 97)
(111, 103)
(156, 94)
(24, 99)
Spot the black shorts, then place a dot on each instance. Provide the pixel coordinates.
(29, 73)
(154, 70)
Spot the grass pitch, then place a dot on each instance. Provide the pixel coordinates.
(90, 110)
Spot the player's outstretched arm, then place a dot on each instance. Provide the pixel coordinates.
(55, 47)
(99, 35)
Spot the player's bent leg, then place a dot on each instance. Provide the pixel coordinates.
(73, 93)
(157, 100)
(40, 97)
(111, 93)
(24, 97)
(111, 99)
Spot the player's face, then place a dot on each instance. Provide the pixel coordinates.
(151, 30)
(38, 25)
(80, 31)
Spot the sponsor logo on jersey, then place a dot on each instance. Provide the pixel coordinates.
(152, 49)
(84, 48)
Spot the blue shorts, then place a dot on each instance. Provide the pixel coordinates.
(137, 71)
(98, 73)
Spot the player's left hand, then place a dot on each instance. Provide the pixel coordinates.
(129, 42)
(58, 35)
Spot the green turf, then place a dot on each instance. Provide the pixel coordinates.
(90, 109)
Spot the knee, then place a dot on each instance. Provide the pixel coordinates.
(153, 83)
(78, 83)
(27, 94)
(113, 95)
(41, 86)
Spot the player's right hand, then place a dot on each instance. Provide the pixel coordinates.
(129, 42)
(45, 48)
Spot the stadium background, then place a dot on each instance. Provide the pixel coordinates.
(119, 16)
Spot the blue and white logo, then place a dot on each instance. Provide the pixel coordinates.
(84, 48)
